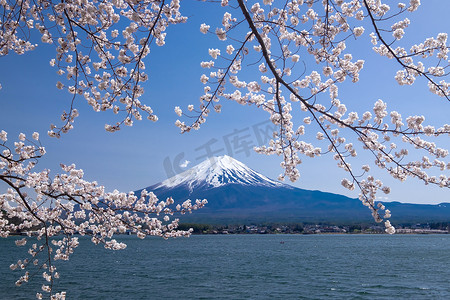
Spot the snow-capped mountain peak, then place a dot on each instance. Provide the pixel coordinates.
(218, 171)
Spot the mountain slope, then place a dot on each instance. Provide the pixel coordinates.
(216, 172)
(239, 194)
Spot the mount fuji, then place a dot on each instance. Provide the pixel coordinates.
(216, 172)
(238, 194)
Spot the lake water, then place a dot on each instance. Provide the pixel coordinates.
(249, 267)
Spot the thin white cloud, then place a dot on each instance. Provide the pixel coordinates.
(185, 164)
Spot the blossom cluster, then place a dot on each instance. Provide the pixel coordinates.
(55, 209)
(100, 49)
(276, 42)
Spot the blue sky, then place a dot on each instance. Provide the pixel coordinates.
(146, 153)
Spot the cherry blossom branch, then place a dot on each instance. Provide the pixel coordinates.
(444, 92)
(67, 204)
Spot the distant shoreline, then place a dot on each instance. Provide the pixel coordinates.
(298, 228)
(330, 233)
(318, 233)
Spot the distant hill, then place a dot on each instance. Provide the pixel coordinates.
(238, 194)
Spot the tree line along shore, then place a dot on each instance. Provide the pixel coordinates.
(301, 228)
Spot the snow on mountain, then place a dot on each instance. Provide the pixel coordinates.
(218, 171)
